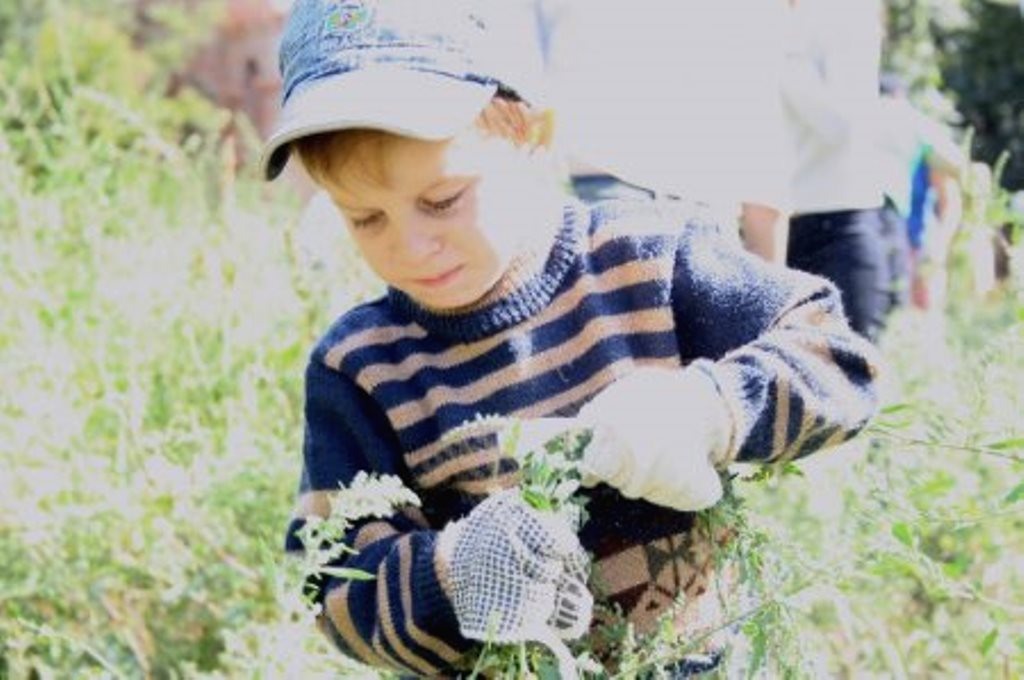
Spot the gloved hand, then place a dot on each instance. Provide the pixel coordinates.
(516, 573)
(657, 435)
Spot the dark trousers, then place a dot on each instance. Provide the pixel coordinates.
(896, 239)
(850, 248)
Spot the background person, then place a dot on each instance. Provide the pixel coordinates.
(830, 91)
(675, 99)
(921, 165)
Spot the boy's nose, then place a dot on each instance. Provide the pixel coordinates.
(418, 239)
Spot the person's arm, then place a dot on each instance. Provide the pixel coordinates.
(929, 258)
(765, 231)
(764, 163)
(792, 376)
(431, 591)
(949, 208)
(944, 154)
(402, 619)
(770, 372)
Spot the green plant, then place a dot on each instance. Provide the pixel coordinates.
(323, 537)
(154, 325)
(549, 480)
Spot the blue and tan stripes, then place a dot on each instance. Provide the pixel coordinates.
(385, 622)
(620, 288)
(602, 320)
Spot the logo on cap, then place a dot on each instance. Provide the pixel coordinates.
(348, 17)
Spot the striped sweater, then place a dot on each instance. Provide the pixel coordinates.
(622, 285)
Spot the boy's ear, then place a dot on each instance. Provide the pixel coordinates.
(542, 129)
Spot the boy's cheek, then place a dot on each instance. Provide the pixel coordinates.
(504, 214)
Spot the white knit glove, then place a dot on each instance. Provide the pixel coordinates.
(516, 573)
(657, 434)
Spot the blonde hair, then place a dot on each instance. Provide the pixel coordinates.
(326, 155)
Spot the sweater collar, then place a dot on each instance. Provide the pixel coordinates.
(527, 286)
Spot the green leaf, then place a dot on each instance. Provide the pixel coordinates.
(896, 408)
(896, 416)
(989, 641)
(509, 439)
(938, 485)
(1015, 495)
(1007, 444)
(350, 574)
(760, 474)
(759, 647)
(903, 533)
(957, 567)
(792, 469)
(547, 670)
(536, 499)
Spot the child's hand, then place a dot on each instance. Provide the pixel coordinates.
(656, 434)
(516, 574)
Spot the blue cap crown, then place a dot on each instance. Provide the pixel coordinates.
(325, 38)
(414, 67)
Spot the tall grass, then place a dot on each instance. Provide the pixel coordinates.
(154, 323)
(156, 308)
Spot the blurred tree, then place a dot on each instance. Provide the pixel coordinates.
(911, 49)
(965, 56)
(101, 71)
(982, 63)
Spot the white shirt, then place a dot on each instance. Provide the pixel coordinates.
(678, 96)
(903, 134)
(830, 91)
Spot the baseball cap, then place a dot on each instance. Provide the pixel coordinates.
(419, 68)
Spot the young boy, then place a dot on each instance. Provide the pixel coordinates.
(506, 297)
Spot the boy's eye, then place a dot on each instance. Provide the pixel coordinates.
(368, 221)
(444, 204)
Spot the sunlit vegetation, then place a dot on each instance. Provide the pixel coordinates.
(156, 307)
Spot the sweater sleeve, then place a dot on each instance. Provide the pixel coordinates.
(793, 376)
(402, 619)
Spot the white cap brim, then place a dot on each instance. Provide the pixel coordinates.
(419, 104)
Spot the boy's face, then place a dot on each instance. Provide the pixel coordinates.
(441, 221)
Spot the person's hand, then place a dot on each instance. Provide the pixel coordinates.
(516, 573)
(919, 293)
(657, 435)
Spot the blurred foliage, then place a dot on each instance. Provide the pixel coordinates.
(149, 394)
(964, 61)
(911, 48)
(156, 308)
(912, 539)
(88, 73)
(983, 64)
